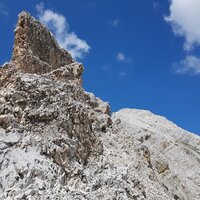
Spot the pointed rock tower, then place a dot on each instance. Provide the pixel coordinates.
(35, 49)
(48, 123)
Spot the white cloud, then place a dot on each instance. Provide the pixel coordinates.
(184, 18)
(3, 10)
(57, 23)
(190, 65)
(123, 58)
(114, 22)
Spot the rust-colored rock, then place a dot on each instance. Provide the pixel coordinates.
(35, 49)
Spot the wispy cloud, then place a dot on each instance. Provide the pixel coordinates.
(190, 65)
(114, 22)
(3, 9)
(156, 5)
(122, 74)
(57, 23)
(121, 57)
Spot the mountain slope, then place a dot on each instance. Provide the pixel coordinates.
(172, 154)
(59, 142)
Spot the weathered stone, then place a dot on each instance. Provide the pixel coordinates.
(161, 166)
(35, 49)
(59, 142)
(6, 120)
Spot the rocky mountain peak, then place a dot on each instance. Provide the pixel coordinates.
(59, 142)
(44, 112)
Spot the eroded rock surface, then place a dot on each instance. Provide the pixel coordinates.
(59, 142)
(35, 49)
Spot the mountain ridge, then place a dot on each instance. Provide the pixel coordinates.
(59, 142)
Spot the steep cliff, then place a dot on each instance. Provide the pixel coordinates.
(59, 142)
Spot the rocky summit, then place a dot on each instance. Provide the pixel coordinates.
(59, 142)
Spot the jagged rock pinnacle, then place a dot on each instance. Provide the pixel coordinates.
(35, 49)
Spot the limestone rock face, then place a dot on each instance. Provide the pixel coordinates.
(59, 142)
(167, 157)
(35, 49)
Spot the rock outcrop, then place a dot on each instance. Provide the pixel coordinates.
(59, 142)
(35, 50)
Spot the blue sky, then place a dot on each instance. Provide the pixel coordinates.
(137, 53)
